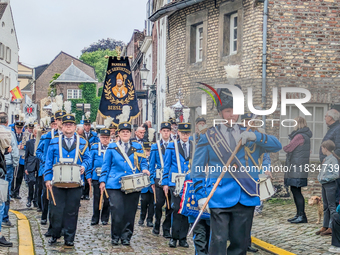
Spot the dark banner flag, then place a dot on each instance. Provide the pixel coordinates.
(118, 90)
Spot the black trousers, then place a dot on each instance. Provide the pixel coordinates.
(147, 206)
(86, 189)
(298, 200)
(44, 202)
(180, 223)
(336, 229)
(160, 201)
(105, 213)
(123, 211)
(38, 191)
(17, 181)
(201, 234)
(31, 192)
(64, 215)
(234, 222)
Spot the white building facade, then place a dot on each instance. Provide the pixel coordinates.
(9, 49)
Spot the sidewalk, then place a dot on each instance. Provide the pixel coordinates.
(11, 234)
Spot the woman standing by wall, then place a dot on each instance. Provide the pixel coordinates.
(298, 154)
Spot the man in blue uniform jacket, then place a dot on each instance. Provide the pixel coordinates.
(123, 206)
(232, 205)
(156, 165)
(65, 213)
(97, 152)
(180, 224)
(91, 137)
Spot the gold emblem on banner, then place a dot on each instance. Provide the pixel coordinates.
(116, 93)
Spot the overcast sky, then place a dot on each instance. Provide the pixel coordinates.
(46, 27)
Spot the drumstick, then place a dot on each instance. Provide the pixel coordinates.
(154, 194)
(167, 201)
(90, 190)
(101, 201)
(52, 197)
(47, 194)
(107, 195)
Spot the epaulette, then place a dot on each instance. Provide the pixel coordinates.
(84, 149)
(203, 131)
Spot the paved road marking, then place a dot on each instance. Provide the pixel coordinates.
(26, 246)
(269, 247)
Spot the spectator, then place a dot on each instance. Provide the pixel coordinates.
(333, 134)
(80, 131)
(139, 135)
(298, 153)
(335, 247)
(327, 177)
(12, 161)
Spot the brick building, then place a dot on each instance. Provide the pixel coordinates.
(301, 49)
(59, 64)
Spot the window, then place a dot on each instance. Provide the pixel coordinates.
(233, 34)
(199, 43)
(74, 94)
(7, 87)
(315, 122)
(2, 86)
(2, 51)
(8, 55)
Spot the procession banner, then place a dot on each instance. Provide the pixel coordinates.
(118, 90)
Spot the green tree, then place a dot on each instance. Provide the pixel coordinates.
(52, 88)
(98, 61)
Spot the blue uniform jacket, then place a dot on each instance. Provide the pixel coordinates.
(47, 141)
(155, 162)
(96, 161)
(93, 138)
(115, 165)
(228, 192)
(12, 126)
(170, 162)
(145, 190)
(84, 158)
(40, 155)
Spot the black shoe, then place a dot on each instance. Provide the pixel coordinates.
(43, 222)
(87, 198)
(155, 232)
(48, 234)
(140, 222)
(7, 224)
(183, 243)
(28, 204)
(294, 218)
(114, 241)
(82, 197)
(173, 243)
(166, 234)
(251, 249)
(69, 243)
(5, 243)
(94, 223)
(18, 197)
(125, 242)
(104, 223)
(53, 240)
(300, 219)
(39, 209)
(149, 224)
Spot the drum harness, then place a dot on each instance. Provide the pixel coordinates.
(162, 162)
(126, 158)
(247, 155)
(100, 151)
(67, 160)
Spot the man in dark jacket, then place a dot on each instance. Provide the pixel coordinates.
(332, 120)
(31, 167)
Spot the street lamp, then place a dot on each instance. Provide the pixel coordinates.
(144, 72)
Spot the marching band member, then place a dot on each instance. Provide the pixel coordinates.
(157, 164)
(16, 183)
(178, 152)
(91, 137)
(147, 196)
(121, 159)
(31, 167)
(113, 131)
(65, 213)
(12, 126)
(232, 205)
(97, 152)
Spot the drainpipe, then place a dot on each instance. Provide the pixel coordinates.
(264, 57)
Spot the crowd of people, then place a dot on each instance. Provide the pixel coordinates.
(108, 157)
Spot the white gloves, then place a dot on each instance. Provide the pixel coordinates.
(201, 203)
(247, 136)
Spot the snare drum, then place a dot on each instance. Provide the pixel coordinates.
(266, 187)
(179, 181)
(98, 171)
(134, 182)
(159, 173)
(66, 176)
